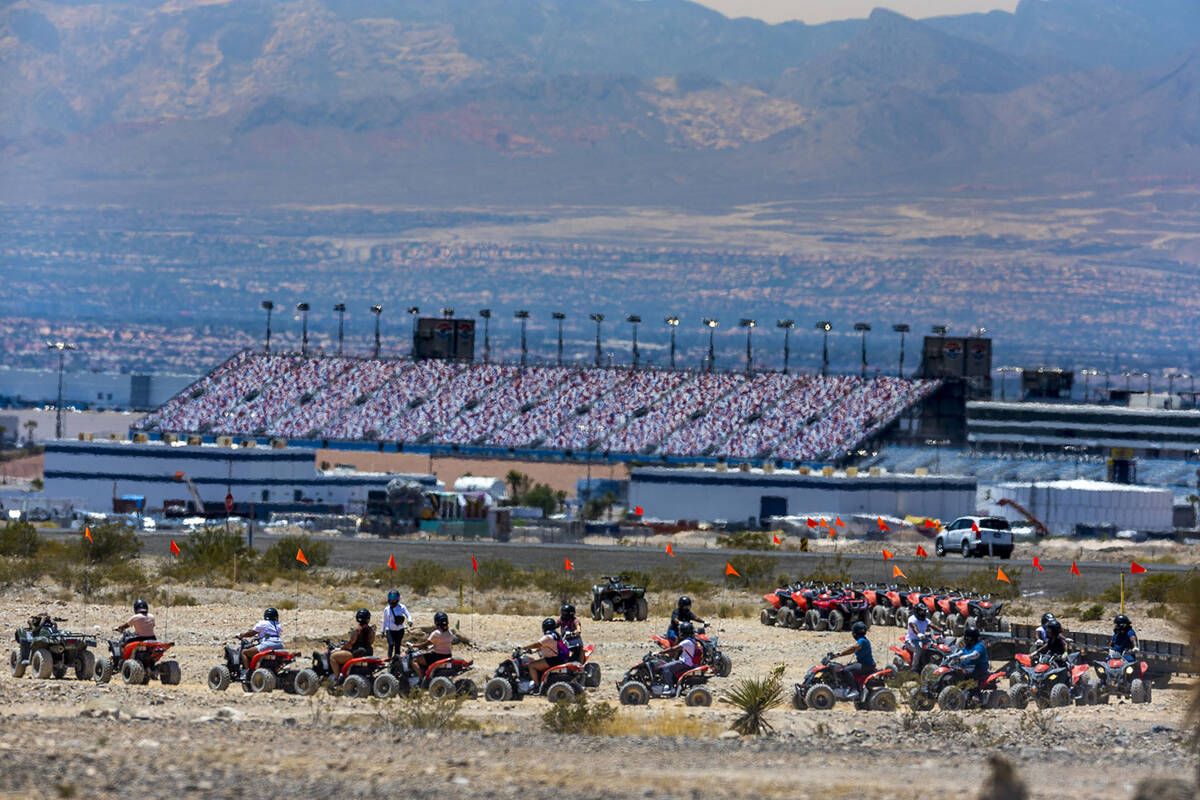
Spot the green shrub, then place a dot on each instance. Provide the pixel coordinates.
(500, 574)
(281, 556)
(1158, 612)
(577, 716)
(19, 540)
(754, 697)
(1068, 612)
(208, 553)
(1092, 613)
(564, 586)
(423, 575)
(1166, 588)
(420, 710)
(1110, 595)
(746, 540)
(834, 570)
(984, 581)
(111, 543)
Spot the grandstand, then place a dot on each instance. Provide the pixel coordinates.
(648, 413)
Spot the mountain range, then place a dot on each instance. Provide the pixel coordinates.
(567, 101)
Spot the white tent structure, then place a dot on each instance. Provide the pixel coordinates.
(1061, 505)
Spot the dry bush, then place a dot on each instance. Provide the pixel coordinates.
(423, 712)
(670, 723)
(578, 716)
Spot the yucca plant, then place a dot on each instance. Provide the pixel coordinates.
(755, 697)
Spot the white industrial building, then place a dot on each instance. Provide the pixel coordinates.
(755, 494)
(121, 390)
(1062, 505)
(97, 472)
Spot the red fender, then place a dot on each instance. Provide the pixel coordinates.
(154, 650)
(1023, 659)
(283, 656)
(370, 661)
(772, 600)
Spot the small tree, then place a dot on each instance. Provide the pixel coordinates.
(30, 427)
(518, 484)
(543, 497)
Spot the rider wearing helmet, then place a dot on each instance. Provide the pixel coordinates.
(1056, 643)
(395, 619)
(864, 663)
(1040, 633)
(571, 631)
(440, 641)
(918, 624)
(1124, 641)
(140, 626)
(549, 650)
(358, 644)
(269, 633)
(686, 654)
(972, 653)
(682, 613)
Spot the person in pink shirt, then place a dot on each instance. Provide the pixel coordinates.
(139, 627)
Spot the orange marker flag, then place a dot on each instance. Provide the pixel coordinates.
(1000, 576)
(812, 523)
(921, 552)
(775, 538)
(729, 570)
(637, 510)
(391, 562)
(1037, 564)
(974, 527)
(1136, 568)
(896, 573)
(840, 523)
(670, 550)
(474, 565)
(886, 555)
(174, 548)
(882, 525)
(300, 557)
(824, 522)
(1074, 569)
(567, 565)
(87, 533)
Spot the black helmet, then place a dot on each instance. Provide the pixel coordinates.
(920, 612)
(970, 634)
(363, 616)
(1121, 623)
(859, 629)
(549, 624)
(685, 602)
(686, 629)
(567, 611)
(393, 597)
(1053, 627)
(272, 614)
(1046, 618)
(140, 606)
(440, 620)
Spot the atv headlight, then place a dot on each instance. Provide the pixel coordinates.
(1129, 670)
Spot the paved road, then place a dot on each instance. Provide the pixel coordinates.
(593, 560)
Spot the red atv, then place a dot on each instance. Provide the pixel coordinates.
(1123, 678)
(721, 664)
(440, 678)
(944, 687)
(979, 612)
(781, 608)
(512, 680)
(359, 677)
(930, 652)
(892, 609)
(837, 611)
(828, 682)
(645, 680)
(1052, 682)
(269, 670)
(137, 662)
(582, 654)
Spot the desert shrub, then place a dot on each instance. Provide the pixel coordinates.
(672, 723)
(578, 716)
(746, 540)
(500, 574)
(1092, 613)
(207, 553)
(984, 581)
(1069, 612)
(281, 556)
(18, 572)
(1175, 588)
(543, 497)
(19, 540)
(421, 711)
(564, 586)
(754, 697)
(756, 571)
(111, 543)
(833, 570)
(673, 580)
(1110, 595)
(1158, 612)
(423, 575)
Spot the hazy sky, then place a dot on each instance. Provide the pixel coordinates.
(814, 11)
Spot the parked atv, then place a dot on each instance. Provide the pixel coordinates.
(440, 678)
(1052, 682)
(359, 677)
(614, 597)
(137, 662)
(929, 653)
(47, 651)
(645, 680)
(1123, 678)
(979, 612)
(721, 664)
(269, 670)
(945, 688)
(777, 601)
(828, 682)
(837, 611)
(512, 680)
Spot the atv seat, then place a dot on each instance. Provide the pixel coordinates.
(451, 663)
(280, 656)
(362, 664)
(153, 649)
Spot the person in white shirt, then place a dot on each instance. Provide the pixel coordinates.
(687, 652)
(918, 625)
(139, 627)
(395, 620)
(269, 633)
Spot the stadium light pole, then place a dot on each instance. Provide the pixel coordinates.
(786, 325)
(62, 348)
(749, 325)
(558, 317)
(486, 315)
(939, 330)
(824, 326)
(413, 312)
(634, 320)
(901, 328)
(522, 315)
(303, 309)
(863, 328)
(711, 324)
(598, 319)
(268, 306)
(340, 308)
(377, 310)
(447, 313)
(672, 323)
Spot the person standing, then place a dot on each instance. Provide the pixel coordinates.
(396, 620)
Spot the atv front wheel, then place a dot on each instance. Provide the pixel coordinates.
(634, 693)
(41, 663)
(595, 611)
(133, 673)
(642, 609)
(1060, 696)
(812, 620)
(60, 670)
(104, 671)
(921, 701)
(440, 687)
(591, 675)
(765, 618)
(560, 691)
(16, 666)
(307, 681)
(798, 700)
(1019, 695)
(882, 700)
(219, 678)
(951, 699)
(698, 696)
(723, 667)
(786, 617)
(836, 620)
(262, 681)
(879, 615)
(170, 674)
(85, 666)
(1090, 695)
(820, 697)
(385, 686)
(1139, 691)
(606, 610)
(498, 690)
(999, 699)
(356, 687)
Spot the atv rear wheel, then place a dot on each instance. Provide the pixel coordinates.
(812, 619)
(465, 687)
(606, 610)
(498, 690)
(170, 674)
(879, 615)
(104, 671)
(765, 618)
(385, 686)
(699, 696)
(262, 681)
(133, 673)
(641, 609)
(1004, 626)
(836, 620)
(921, 701)
(951, 699)
(882, 700)
(723, 667)
(634, 693)
(1139, 691)
(41, 663)
(999, 699)
(591, 675)
(927, 672)
(1018, 696)
(798, 700)
(85, 666)
(786, 617)
(307, 682)
(16, 667)
(1060, 695)
(560, 691)
(440, 687)
(1090, 695)
(356, 687)
(219, 678)
(820, 697)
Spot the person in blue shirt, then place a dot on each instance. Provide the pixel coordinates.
(1124, 640)
(864, 661)
(972, 654)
